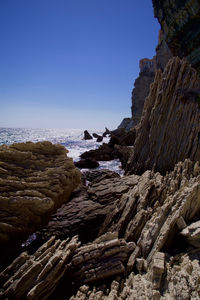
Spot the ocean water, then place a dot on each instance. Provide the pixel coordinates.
(72, 139)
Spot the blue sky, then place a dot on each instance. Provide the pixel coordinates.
(71, 63)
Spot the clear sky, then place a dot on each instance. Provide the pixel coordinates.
(71, 63)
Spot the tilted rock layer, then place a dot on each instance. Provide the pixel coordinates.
(152, 215)
(169, 128)
(35, 179)
(143, 244)
(180, 22)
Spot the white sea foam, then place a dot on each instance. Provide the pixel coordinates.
(72, 139)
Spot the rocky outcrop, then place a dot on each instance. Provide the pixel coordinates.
(141, 88)
(88, 207)
(166, 278)
(87, 135)
(87, 163)
(37, 276)
(35, 179)
(142, 245)
(153, 215)
(169, 129)
(163, 53)
(180, 23)
(127, 124)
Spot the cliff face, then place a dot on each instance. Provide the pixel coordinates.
(180, 22)
(142, 84)
(169, 129)
(142, 87)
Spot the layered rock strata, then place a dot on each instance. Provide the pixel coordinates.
(142, 244)
(154, 214)
(180, 23)
(37, 276)
(88, 207)
(169, 129)
(35, 179)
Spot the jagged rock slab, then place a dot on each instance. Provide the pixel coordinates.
(149, 214)
(169, 128)
(35, 179)
(180, 22)
(192, 234)
(88, 207)
(165, 279)
(37, 276)
(100, 260)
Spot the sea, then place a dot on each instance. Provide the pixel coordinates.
(72, 139)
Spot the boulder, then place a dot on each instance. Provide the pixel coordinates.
(35, 179)
(103, 153)
(87, 163)
(87, 136)
(99, 139)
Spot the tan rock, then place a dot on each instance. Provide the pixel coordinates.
(36, 179)
(169, 127)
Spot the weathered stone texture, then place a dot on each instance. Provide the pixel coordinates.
(141, 88)
(37, 276)
(180, 23)
(169, 128)
(35, 179)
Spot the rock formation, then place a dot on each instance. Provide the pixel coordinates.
(180, 23)
(169, 128)
(142, 84)
(37, 276)
(143, 249)
(35, 179)
(142, 87)
(88, 207)
(154, 214)
(87, 136)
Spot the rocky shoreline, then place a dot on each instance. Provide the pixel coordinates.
(99, 235)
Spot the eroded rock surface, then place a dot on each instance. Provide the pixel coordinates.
(37, 276)
(169, 128)
(180, 22)
(35, 179)
(88, 207)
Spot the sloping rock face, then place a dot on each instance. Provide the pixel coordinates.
(88, 207)
(37, 276)
(180, 22)
(169, 129)
(153, 215)
(35, 179)
(141, 251)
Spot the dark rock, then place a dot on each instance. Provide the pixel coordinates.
(103, 153)
(127, 124)
(180, 23)
(107, 132)
(142, 88)
(87, 136)
(100, 139)
(87, 163)
(99, 175)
